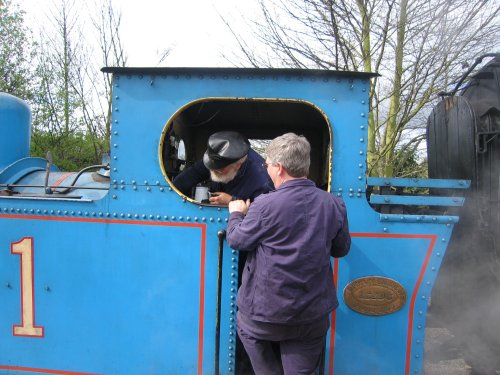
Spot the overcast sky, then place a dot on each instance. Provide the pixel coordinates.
(192, 29)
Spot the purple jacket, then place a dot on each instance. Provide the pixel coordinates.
(290, 234)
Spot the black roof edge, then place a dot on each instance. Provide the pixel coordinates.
(265, 71)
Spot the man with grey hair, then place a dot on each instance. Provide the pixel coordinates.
(287, 291)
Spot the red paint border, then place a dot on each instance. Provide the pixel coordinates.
(61, 179)
(44, 371)
(433, 239)
(203, 228)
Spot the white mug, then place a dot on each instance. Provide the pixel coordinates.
(201, 193)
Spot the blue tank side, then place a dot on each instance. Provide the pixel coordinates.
(15, 127)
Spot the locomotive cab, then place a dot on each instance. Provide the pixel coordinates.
(138, 278)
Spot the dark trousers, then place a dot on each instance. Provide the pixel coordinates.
(300, 345)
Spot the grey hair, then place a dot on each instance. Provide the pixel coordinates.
(293, 152)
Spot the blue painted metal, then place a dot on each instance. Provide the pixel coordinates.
(15, 123)
(416, 200)
(23, 168)
(125, 281)
(419, 182)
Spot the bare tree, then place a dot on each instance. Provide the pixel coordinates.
(71, 115)
(418, 47)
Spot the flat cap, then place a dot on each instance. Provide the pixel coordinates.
(224, 148)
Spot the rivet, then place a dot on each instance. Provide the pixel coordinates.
(362, 115)
(162, 189)
(115, 145)
(361, 140)
(423, 297)
(419, 326)
(443, 240)
(129, 215)
(360, 165)
(114, 169)
(211, 219)
(148, 188)
(361, 152)
(433, 268)
(385, 229)
(362, 127)
(114, 196)
(438, 254)
(134, 187)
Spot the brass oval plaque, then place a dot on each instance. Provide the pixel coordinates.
(375, 295)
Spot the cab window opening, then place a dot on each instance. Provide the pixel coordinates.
(185, 137)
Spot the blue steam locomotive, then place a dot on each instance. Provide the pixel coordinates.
(113, 271)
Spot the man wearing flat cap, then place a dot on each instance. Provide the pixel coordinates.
(235, 170)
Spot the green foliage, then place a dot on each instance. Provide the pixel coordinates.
(16, 52)
(70, 152)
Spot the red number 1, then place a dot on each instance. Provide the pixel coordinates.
(24, 248)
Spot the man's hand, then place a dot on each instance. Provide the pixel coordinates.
(239, 206)
(220, 198)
